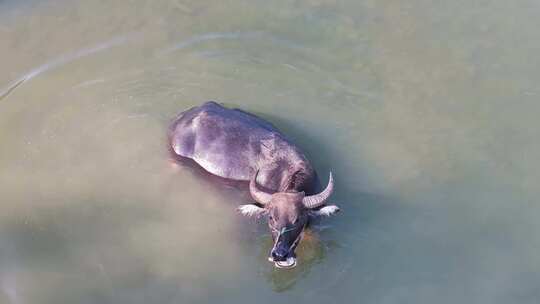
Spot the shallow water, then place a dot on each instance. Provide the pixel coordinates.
(427, 113)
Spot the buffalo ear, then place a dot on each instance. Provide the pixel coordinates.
(325, 211)
(251, 210)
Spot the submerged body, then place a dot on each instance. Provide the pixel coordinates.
(234, 144)
(237, 145)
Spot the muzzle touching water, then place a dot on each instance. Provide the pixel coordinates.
(282, 254)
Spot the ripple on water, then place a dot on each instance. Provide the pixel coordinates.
(64, 59)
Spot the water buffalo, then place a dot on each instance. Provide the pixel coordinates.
(237, 145)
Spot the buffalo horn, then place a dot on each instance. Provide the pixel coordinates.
(317, 200)
(259, 196)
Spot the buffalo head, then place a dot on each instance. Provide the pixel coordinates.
(288, 214)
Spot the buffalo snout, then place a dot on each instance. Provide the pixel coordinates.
(280, 253)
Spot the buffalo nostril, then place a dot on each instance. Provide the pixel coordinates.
(279, 254)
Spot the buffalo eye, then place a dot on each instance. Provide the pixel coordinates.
(272, 215)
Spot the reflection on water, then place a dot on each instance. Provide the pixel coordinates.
(311, 251)
(425, 112)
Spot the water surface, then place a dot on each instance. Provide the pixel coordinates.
(427, 113)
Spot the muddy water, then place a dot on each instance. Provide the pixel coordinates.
(427, 113)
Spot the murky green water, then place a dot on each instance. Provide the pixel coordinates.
(426, 112)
